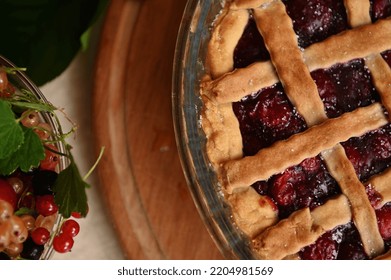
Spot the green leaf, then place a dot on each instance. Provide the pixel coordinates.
(70, 191)
(24, 211)
(31, 152)
(8, 165)
(29, 155)
(11, 133)
(44, 35)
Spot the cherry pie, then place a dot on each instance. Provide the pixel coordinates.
(296, 104)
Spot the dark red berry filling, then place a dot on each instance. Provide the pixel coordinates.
(316, 20)
(265, 117)
(374, 197)
(341, 243)
(387, 57)
(305, 185)
(380, 9)
(384, 221)
(370, 154)
(250, 47)
(345, 87)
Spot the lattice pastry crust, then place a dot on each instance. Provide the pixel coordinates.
(273, 238)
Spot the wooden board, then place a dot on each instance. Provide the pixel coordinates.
(141, 177)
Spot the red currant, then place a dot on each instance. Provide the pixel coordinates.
(51, 158)
(78, 215)
(62, 243)
(3, 80)
(29, 221)
(40, 235)
(30, 119)
(6, 211)
(46, 222)
(7, 193)
(70, 227)
(43, 130)
(6, 89)
(5, 238)
(17, 229)
(45, 205)
(17, 184)
(14, 249)
(27, 200)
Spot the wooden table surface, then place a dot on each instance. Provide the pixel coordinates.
(141, 177)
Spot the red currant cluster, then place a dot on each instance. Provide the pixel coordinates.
(28, 212)
(63, 242)
(24, 235)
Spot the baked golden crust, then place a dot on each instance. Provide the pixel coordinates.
(236, 173)
(235, 85)
(252, 212)
(221, 128)
(357, 12)
(224, 40)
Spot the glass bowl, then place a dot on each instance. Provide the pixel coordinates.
(21, 82)
(189, 60)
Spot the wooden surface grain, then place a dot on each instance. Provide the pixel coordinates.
(141, 177)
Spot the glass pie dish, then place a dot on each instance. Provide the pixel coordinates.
(24, 182)
(193, 37)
